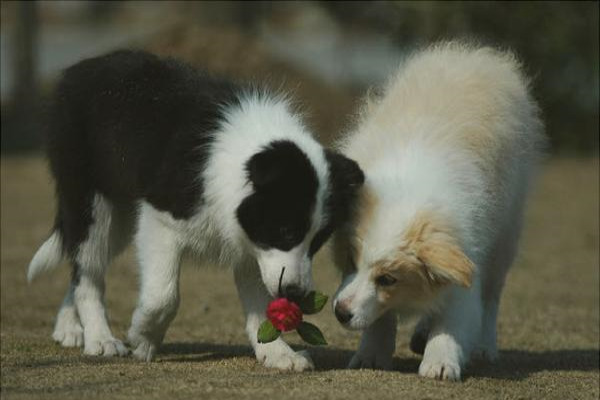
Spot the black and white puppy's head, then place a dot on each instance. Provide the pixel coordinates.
(292, 212)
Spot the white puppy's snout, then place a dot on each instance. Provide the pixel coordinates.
(355, 305)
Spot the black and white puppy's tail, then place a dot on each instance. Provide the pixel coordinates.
(48, 256)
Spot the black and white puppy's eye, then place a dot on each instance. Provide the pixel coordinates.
(352, 263)
(385, 280)
(286, 233)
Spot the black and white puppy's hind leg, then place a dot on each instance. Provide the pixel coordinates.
(83, 307)
(68, 331)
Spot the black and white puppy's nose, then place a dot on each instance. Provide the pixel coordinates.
(342, 314)
(293, 292)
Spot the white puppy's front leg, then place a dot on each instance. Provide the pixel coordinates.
(377, 344)
(255, 299)
(159, 253)
(452, 336)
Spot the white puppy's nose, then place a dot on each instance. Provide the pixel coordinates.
(342, 313)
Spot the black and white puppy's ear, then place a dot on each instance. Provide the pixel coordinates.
(345, 179)
(345, 173)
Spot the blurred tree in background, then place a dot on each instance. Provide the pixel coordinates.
(557, 41)
(327, 53)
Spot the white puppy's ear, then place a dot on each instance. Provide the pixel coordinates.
(444, 260)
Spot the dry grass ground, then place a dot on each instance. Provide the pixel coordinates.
(549, 319)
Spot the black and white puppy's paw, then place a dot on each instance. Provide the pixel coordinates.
(67, 329)
(106, 346)
(279, 355)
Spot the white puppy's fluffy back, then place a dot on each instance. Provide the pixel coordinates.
(456, 130)
(478, 94)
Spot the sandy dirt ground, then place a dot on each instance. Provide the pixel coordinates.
(548, 326)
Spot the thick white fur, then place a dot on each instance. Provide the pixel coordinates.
(213, 233)
(456, 132)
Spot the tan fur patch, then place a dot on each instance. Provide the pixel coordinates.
(446, 261)
(411, 287)
(423, 226)
(429, 259)
(431, 240)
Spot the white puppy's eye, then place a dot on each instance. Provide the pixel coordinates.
(385, 280)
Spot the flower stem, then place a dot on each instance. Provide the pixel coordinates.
(280, 279)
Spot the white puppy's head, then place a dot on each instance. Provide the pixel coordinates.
(394, 262)
(291, 212)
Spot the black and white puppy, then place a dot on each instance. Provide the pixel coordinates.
(150, 149)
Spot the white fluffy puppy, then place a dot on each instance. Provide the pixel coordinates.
(448, 152)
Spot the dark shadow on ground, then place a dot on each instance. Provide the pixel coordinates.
(513, 364)
(198, 352)
(325, 358)
(519, 364)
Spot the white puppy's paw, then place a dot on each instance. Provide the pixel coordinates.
(143, 348)
(377, 345)
(441, 359)
(145, 351)
(281, 356)
(371, 360)
(68, 330)
(486, 353)
(104, 346)
(446, 371)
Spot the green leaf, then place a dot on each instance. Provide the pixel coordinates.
(267, 332)
(311, 334)
(312, 303)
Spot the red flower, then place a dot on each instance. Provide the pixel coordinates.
(285, 315)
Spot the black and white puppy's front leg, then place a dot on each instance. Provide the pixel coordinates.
(159, 252)
(254, 297)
